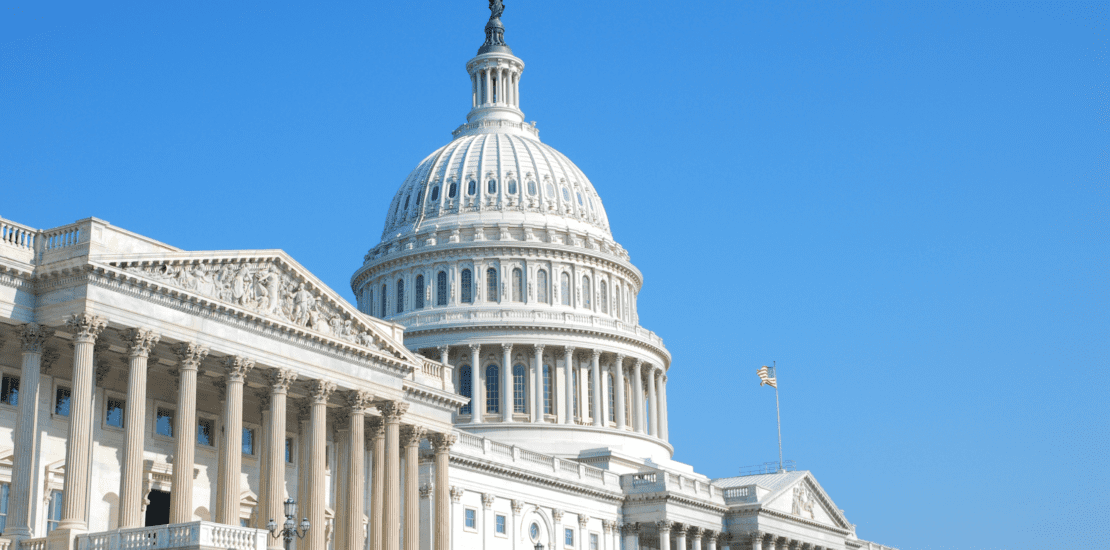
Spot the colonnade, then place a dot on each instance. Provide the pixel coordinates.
(495, 86)
(599, 373)
(761, 540)
(685, 537)
(387, 438)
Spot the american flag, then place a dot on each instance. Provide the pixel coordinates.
(767, 376)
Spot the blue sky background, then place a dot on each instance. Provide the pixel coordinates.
(903, 203)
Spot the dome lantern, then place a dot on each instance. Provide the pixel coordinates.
(495, 75)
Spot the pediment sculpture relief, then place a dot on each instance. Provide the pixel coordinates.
(803, 502)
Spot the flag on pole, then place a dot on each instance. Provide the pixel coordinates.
(767, 376)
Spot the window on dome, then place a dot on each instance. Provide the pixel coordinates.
(604, 298)
(512, 187)
(471, 188)
(441, 288)
(586, 292)
(541, 286)
(566, 195)
(493, 389)
(518, 285)
(491, 186)
(564, 288)
(467, 285)
(385, 310)
(577, 390)
(548, 391)
(531, 188)
(464, 387)
(435, 193)
(590, 399)
(400, 295)
(550, 190)
(370, 302)
(612, 400)
(406, 206)
(579, 198)
(617, 302)
(453, 190)
(492, 293)
(418, 294)
(419, 198)
(590, 200)
(518, 389)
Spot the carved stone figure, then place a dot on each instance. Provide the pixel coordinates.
(803, 502)
(496, 8)
(303, 301)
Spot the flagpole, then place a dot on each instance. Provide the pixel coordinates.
(778, 415)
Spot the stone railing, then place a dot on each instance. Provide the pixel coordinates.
(198, 534)
(39, 247)
(659, 481)
(511, 455)
(435, 374)
(33, 544)
(740, 495)
(469, 316)
(5, 544)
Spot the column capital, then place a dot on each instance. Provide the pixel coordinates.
(140, 341)
(444, 350)
(425, 491)
(281, 379)
(758, 536)
(696, 532)
(321, 390)
(190, 355)
(32, 336)
(793, 544)
(607, 526)
(392, 411)
(86, 327)
(518, 506)
(807, 546)
(663, 526)
(456, 494)
(595, 354)
(557, 514)
(487, 500)
(583, 519)
(569, 350)
(341, 420)
(538, 348)
(619, 361)
(441, 443)
(506, 348)
(221, 388)
(304, 408)
(475, 348)
(377, 429)
(358, 401)
(237, 368)
(630, 528)
(637, 362)
(50, 356)
(411, 435)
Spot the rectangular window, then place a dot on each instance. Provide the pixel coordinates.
(9, 390)
(164, 423)
(5, 490)
(54, 514)
(244, 522)
(205, 431)
(248, 441)
(289, 450)
(471, 518)
(113, 415)
(500, 524)
(568, 538)
(593, 541)
(61, 401)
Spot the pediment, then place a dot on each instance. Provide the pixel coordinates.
(806, 500)
(268, 284)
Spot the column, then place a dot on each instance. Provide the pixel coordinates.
(615, 544)
(477, 390)
(516, 91)
(568, 375)
(631, 536)
(441, 446)
(339, 426)
(190, 355)
(710, 540)
(357, 403)
(679, 537)
(377, 482)
(652, 424)
(695, 536)
(537, 383)
(273, 506)
(583, 533)
(507, 389)
(757, 540)
(664, 534)
(618, 381)
(229, 489)
(638, 396)
(473, 93)
(140, 343)
(663, 433)
(410, 441)
(391, 412)
(599, 388)
(487, 96)
(32, 337)
(319, 392)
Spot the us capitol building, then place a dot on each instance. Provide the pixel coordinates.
(492, 389)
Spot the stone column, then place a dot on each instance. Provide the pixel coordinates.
(488, 92)
(477, 393)
(757, 540)
(190, 355)
(357, 403)
(140, 343)
(320, 391)
(410, 441)
(679, 537)
(618, 381)
(507, 389)
(663, 433)
(695, 537)
(274, 505)
(638, 396)
(710, 540)
(441, 445)
(652, 424)
(456, 498)
(32, 337)
(599, 388)
(631, 536)
(537, 383)
(377, 482)
(664, 534)
(340, 427)
(391, 412)
(229, 488)
(568, 375)
(583, 533)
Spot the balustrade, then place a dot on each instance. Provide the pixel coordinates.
(197, 534)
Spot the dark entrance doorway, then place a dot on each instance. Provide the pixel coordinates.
(158, 511)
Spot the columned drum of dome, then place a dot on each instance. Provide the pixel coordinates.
(497, 250)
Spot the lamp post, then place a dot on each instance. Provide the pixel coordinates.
(539, 545)
(290, 527)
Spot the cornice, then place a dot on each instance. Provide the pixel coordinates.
(437, 398)
(756, 510)
(665, 496)
(485, 466)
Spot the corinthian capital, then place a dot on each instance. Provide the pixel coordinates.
(595, 355)
(663, 526)
(140, 341)
(237, 368)
(32, 336)
(376, 429)
(86, 327)
(281, 379)
(190, 355)
(359, 400)
(321, 390)
(411, 435)
(442, 443)
(392, 411)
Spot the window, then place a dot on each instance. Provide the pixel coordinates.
(400, 295)
(435, 193)
(467, 287)
(464, 388)
(370, 301)
(419, 198)
(471, 188)
(491, 186)
(441, 288)
(617, 302)
(5, 492)
(289, 450)
(612, 400)
(163, 424)
(113, 414)
(550, 189)
(604, 298)
(492, 294)
(384, 311)
(244, 522)
(531, 188)
(568, 537)
(512, 187)
(471, 518)
(205, 430)
(453, 190)
(519, 389)
(248, 441)
(590, 397)
(566, 195)
(627, 402)
(9, 390)
(518, 285)
(593, 541)
(61, 401)
(577, 391)
(418, 293)
(587, 290)
(493, 387)
(534, 532)
(500, 524)
(541, 286)
(548, 391)
(406, 206)
(579, 198)
(564, 288)
(54, 514)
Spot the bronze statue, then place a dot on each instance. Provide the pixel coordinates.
(496, 8)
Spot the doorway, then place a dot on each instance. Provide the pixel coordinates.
(158, 511)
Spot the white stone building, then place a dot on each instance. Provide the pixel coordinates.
(492, 390)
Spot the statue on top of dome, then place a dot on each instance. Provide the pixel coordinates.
(496, 8)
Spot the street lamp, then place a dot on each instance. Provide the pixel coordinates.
(290, 527)
(539, 545)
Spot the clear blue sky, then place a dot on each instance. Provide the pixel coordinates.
(903, 203)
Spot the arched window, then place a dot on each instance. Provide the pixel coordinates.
(419, 198)
(627, 304)
(541, 286)
(406, 206)
(579, 198)
(617, 302)
(418, 295)
(531, 188)
(628, 402)
(564, 288)
(577, 391)
(512, 187)
(493, 389)
(590, 200)
(472, 188)
(491, 186)
(492, 293)
(464, 387)
(548, 391)
(385, 310)
(519, 390)
(400, 295)
(518, 285)
(370, 302)
(612, 399)
(647, 413)
(453, 190)
(441, 288)
(604, 298)
(550, 190)
(467, 285)
(435, 193)
(590, 397)
(587, 291)
(566, 195)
